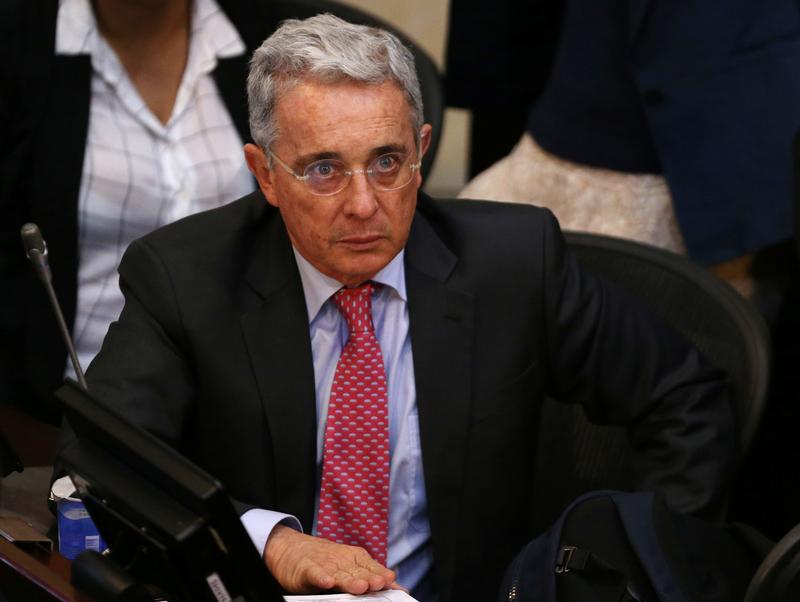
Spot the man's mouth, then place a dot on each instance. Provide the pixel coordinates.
(361, 242)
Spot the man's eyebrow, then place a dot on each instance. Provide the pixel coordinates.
(305, 160)
(389, 148)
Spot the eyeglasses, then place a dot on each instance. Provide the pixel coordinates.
(327, 177)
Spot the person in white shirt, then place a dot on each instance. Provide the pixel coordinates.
(139, 110)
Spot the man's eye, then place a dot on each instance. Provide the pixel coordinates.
(322, 170)
(387, 163)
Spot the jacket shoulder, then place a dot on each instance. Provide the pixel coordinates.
(486, 220)
(218, 221)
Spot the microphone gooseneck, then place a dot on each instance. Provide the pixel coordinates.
(36, 252)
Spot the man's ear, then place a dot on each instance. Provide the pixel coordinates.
(424, 139)
(424, 142)
(258, 164)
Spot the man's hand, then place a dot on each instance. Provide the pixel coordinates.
(304, 564)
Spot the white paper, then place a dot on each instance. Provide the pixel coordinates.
(388, 595)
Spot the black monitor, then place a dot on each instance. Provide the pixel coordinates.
(166, 521)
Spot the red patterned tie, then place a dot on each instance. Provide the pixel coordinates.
(354, 495)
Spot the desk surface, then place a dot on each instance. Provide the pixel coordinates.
(24, 495)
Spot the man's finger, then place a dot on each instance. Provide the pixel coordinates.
(351, 583)
(377, 582)
(318, 577)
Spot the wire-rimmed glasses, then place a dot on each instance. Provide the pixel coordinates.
(326, 177)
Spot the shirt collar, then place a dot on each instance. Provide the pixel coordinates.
(76, 27)
(213, 36)
(318, 288)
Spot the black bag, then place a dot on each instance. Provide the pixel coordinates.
(629, 547)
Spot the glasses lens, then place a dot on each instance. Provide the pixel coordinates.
(386, 172)
(327, 176)
(390, 171)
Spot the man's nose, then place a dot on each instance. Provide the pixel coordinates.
(361, 200)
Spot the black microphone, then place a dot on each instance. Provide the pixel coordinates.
(36, 252)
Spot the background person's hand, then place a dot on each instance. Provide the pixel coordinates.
(304, 564)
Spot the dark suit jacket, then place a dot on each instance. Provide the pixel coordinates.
(212, 353)
(44, 118)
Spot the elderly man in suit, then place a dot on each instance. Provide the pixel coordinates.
(362, 365)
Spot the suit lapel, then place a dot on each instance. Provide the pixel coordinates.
(276, 334)
(637, 11)
(53, 141)
(59, 148)
(254, 21)
(230, 76)
(441, 323)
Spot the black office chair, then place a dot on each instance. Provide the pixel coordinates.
(429, 78)
(777, 579)
(796, 206)
(576, 456)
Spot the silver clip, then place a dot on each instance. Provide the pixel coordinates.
(564, 556)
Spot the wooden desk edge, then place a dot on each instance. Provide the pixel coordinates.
(50, 572)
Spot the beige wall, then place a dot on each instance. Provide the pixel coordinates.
(425, 22)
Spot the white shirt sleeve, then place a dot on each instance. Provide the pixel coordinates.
(259, 524)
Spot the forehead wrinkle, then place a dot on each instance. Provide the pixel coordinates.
(328, 142)
(313, 123)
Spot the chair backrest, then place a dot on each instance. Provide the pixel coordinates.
(796, 178)
(429, 78)
(777, 579)
(574, 455)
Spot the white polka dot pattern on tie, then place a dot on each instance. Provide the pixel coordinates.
(354, 495)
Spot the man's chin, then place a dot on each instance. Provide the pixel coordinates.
(362, 268)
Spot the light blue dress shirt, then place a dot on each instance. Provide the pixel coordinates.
(410, 553)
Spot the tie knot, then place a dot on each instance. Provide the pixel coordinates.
(356, 307)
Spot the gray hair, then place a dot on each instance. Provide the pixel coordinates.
(325, 49)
